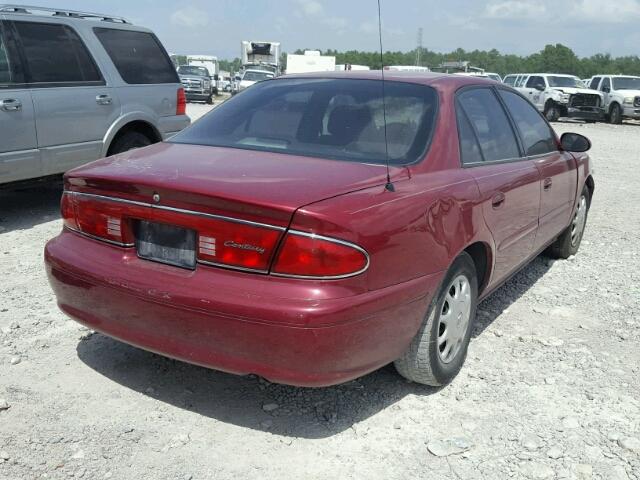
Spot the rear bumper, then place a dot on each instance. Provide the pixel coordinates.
(585, 113)
(172, 124)
(288, 331)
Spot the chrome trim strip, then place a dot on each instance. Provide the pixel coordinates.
(177, 210)
(100, 239)
(332, 240)
(232, 267)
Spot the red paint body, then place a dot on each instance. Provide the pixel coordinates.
(309, 332)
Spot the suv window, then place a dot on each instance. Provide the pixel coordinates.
(139, 56)
(536, 81)
(55, 54)
(341, 119)
(492, 127)
(510, 79)
(6, 75)
(535, 132)
(595, 81)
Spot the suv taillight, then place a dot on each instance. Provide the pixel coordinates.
(313, 256)
(181, 102)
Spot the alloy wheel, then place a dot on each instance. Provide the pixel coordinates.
(579, 221)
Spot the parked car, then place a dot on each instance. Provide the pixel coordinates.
(621, 96)
(558, 95)
(197, 83)
(77, 86)
(271, 238)
(251, 77)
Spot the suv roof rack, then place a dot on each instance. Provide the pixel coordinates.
(61, 12)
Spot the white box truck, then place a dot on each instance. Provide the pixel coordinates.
(210, 63)
(310, 62)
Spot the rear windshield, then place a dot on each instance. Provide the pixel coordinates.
(138, 56)
(331, 118)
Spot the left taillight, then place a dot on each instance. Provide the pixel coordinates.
(99, 219)
(181, 102)
(304, 255)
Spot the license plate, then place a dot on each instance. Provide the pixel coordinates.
(166, 244)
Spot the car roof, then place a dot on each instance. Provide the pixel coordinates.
(424, 78)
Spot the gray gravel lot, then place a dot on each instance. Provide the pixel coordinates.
(551, 388)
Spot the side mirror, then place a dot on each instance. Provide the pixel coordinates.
(574, 142)
(540, 88)
(216, 77)
(606, 89)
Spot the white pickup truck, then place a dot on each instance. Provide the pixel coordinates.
(558, 95)
(621, 96)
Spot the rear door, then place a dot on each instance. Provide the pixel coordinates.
(149, 80)
(19, 156)
(74, 107)
(509, 183)
(558, 170)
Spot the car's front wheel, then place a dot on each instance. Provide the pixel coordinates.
(615, 114)
(569, 241)
(552, 112)
(438, 351)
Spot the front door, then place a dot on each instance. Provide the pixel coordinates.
(509, 184)
(74, 107)
(19, 156)
(557, 169)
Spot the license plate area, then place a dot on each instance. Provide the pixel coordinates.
(166, 244)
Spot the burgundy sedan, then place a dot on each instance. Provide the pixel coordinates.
(268, 237)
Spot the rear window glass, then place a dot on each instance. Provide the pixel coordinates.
(138, 56)
(55, 54)
(332, 118)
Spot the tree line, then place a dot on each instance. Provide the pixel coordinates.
(556, 58)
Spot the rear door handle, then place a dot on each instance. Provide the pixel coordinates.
(10, 105)
(547, 183)
(498, 200)
(104, 100)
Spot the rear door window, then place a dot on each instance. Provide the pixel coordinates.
(139, 56)
(326, 118)
(55, 54)
(536, 134)
(490, 124)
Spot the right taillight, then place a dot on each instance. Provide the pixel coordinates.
(181, 102)
(304, 255)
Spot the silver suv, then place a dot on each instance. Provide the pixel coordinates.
(77, 86)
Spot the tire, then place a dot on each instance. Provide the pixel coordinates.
(615, 114)
(210, 100)
(426, 361)
(568, 243)
(129, 141)
(552, 112)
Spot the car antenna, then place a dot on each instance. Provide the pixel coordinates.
(389, 186)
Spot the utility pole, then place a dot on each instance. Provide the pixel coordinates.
(419, 49)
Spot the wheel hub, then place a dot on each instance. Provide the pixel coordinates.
(454, 319)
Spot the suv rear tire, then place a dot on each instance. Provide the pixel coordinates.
(129, 141)
(429, 359)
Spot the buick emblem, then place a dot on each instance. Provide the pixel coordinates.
(156, 198)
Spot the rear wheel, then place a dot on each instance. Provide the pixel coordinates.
(209, 100)
(615, 114)
(552, 112)
(129, 141)
(439, 349)
(568, 243)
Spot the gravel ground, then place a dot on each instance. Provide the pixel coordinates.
(551, 388)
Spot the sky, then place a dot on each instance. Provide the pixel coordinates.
(510, 26)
